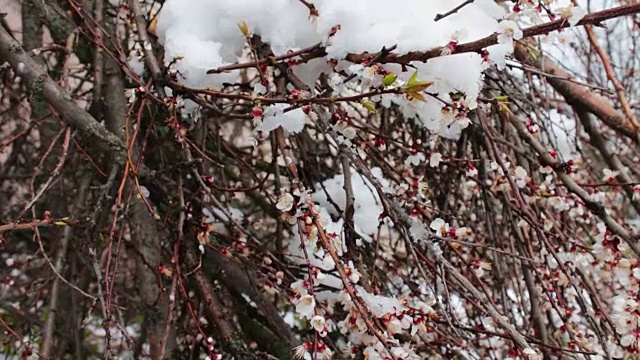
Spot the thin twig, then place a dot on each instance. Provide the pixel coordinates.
(452, 11)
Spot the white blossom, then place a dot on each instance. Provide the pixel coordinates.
(439, 226)
(349, 132)
(435, 159)
(414, 159)
(285, 202)
(573, 14)
(609, 175)
(303, 351)
(531, 354)
(509, 31)
(298, 287)
(520, 176)
(317, 323)
(306, 306)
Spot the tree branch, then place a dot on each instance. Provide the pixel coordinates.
(40, 84)
(575, 94)
(316, 51)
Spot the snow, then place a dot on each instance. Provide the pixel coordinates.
(317, 257)
(275, 117)
(367, 204)
(458, 73)
(200, 35)
(380, 305)
(368, 25)
(206, 33)
(213, 216)
(136, 63)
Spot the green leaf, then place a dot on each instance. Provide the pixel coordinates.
(501, 98)
(412, 79)
(369, 106)
(389, 79)
(414, 86)
(418, 86)
(62, 222)
(533, 52)
(244, 28)
(417, 96)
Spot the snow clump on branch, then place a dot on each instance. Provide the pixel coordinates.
(200, 35)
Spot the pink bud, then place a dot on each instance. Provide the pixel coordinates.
(256, 112)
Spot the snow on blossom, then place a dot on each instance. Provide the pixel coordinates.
(275, 116)
(380, 305)
(448, 78)
(203, 34)
(417, 231)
